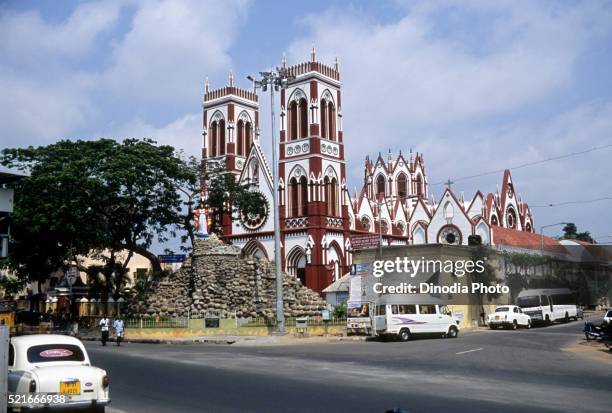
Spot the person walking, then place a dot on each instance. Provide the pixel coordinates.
(104, 323)
(118, 326)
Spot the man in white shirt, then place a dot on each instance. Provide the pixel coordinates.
(104, 323)
(119, 330)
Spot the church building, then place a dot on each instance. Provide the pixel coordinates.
(318, 215)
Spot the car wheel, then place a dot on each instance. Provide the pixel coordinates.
(492, 327)
(452, 332)
(548, 322)
(528, 323)
(566, 318)
(404, 334)
(514, 324)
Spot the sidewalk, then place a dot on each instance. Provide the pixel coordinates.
(237, 340)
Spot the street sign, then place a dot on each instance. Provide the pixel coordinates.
(171, 258)
(71, 275)
(365, 241)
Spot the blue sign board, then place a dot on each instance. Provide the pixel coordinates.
(172, 258)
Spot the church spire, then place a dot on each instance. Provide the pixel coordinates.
(313, 54)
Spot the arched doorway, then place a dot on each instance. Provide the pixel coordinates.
(296, 264)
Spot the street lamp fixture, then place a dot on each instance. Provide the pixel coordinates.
(276, 79)
(542, 233)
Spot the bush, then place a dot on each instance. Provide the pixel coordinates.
(340, 310)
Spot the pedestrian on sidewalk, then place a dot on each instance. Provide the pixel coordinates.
(118, 326)
(104, 323)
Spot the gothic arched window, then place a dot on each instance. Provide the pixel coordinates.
(303, 195)
(419, 185)
(294, 203)
(240, 139)
(248, 137)
(332, 203)
(331, 120)
(324, 115)
(402, 186)
(380, 185)
(303, 106)
(293, 121)
(214, 128)
(221, 137)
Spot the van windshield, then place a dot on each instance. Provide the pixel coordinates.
(526, 302)
(501, 310)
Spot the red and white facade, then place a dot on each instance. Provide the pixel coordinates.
(318, 216)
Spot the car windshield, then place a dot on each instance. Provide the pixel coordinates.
(525, 302)
(55, 352)
(609, 313)
(502, 309)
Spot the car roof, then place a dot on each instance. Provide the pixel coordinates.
(36, 339)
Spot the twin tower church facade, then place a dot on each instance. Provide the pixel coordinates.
(318, 216)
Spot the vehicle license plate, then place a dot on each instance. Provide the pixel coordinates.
(497, 317)
(70, 387)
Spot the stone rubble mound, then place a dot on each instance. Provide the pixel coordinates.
(222, 281)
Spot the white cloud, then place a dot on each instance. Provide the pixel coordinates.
(169, 47)
(57, 81)
(26, 35)
(412, 73)
(472, 85)
(184, 133)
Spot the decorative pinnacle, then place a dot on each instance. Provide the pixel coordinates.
(206, 85)
(284, 61)
(337, 64)
(231, 78)
(313, 54)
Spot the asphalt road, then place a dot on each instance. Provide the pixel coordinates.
(484, 371)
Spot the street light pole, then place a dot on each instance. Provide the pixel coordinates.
(542, 234)
(275, 79)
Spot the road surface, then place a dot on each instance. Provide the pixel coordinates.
(483, 371)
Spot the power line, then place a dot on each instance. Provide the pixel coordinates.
(528, 164)
(589, 201)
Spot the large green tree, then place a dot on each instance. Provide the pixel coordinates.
(101, 195)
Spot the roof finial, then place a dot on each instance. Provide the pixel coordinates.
(284, 61)
(313, 54)
(206, 85)
(231, 78)
(337, 64)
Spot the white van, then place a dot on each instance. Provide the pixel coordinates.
(548, 305)
(405, 315)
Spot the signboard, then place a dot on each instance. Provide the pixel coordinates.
(171, 258)
(365, 241)
(71, 275)
(325, 315)
(355, 292)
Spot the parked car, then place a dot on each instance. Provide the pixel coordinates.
(607, 319)
(508, 316)
(57, 369)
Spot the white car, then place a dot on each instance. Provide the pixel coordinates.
(508, 316)
(607, 319)
(49, 371)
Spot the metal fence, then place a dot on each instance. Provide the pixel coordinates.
(289, 322)
(92, 322)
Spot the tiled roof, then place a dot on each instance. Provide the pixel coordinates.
(526, 240)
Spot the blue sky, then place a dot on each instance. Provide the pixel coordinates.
(474, 85)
